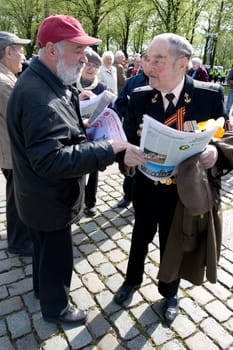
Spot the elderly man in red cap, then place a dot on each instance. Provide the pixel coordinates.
(51, 157)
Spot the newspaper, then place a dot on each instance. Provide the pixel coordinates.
(165, 147)
(95, 105)
(106, 126)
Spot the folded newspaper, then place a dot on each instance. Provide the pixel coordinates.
(106, 126)
(165, 147)
(95, 105)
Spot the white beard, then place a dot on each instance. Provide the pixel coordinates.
(68, 75)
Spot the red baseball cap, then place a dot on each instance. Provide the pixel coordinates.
(57, 28)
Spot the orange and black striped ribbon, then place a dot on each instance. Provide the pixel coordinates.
(178, 117)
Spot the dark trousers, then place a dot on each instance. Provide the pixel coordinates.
(52, 269)
(91, 190)
(127, 187)
(154, 209)
(18, 236)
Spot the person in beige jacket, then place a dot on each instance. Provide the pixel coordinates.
(11, 59)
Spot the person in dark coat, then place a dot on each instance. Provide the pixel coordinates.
(121, 106)
(89, 86)
(51, 156)
(155, 202)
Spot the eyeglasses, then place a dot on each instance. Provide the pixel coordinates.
(90, 65)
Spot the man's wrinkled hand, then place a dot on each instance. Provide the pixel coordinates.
(133, 156)
(209, 157)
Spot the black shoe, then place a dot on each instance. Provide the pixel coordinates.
(28, 251)
(124, 203)
(69, 315)
(90, 212)
(124, 292)
(171, 309)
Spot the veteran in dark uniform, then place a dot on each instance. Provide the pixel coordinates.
(155, 203)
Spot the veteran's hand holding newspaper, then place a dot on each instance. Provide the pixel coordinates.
(209, 157)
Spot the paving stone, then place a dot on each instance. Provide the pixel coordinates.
(20, 287)
(3, 329)
(105, 300)
(217, 332)
(97, 324)
(98, 236)
(75, 282)
(173, 345)
(97, 258)
(106, 269)
(19, 324)
(193, 310)
(82, 298)
(93, 283)
(203, 342)
(27, 343)
(78, 337)
(82, 266)
(11, 276)
(57, 342)
(31, 302)
(160, 333)
(116, 255)
(218, 290)
(144, 314)
(225, 278)
(201, 295)
(150, 293)
(3, 292)
(44, 329)
(5, 344)
(10, 305)
(109, 342)
(183, 326)
(106, 246)
(218, 310)
(139, 343)
(7, 264)
(152, 271)
(125, 325)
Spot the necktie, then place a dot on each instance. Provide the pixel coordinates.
(170, 108)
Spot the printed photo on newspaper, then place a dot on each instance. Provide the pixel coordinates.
(106, 126)
(165, 147)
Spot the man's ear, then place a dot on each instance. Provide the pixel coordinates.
(51, 50)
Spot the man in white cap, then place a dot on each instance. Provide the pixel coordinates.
(11, 60)
(51, 156)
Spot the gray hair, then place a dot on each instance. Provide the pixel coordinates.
(108, 54)
(119, 53)
(179, 45)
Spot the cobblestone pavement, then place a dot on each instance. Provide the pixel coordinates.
(101, 247)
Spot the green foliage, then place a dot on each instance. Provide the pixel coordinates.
(130, 26)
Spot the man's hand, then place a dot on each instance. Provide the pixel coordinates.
(133, 156)
(209, 157)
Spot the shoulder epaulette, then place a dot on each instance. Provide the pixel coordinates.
(143, 88)
(205, 85)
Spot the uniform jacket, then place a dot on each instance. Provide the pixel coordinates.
(199, 101)
(194, 241)
(7, 82)
(121, 103)
(49, 149)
